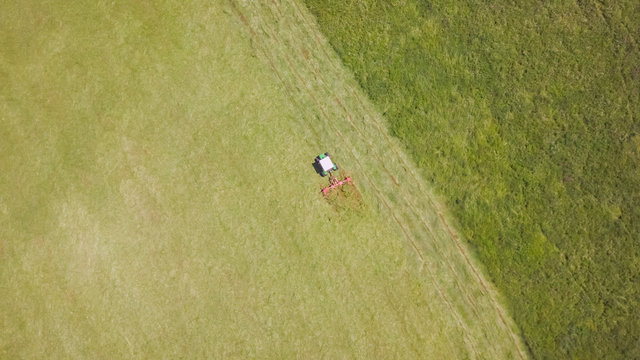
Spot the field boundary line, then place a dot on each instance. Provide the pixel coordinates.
(444, 222)
(420, 217)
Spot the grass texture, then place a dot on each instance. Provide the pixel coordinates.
(157, 198)
(525, 116)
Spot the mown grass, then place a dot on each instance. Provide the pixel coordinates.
(525, 117)
(156, 201)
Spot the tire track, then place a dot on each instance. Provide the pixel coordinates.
(300, 79)
(416, 213)
(407, 168)
(467, 296)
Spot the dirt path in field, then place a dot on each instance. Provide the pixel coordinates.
(286, 36)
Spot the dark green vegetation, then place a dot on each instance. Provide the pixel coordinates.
(526, 118)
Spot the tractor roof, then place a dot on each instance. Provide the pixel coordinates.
(326, 163)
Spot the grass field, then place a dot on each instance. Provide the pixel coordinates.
(157, 198)
(525, 116)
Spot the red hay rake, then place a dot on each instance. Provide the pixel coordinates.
(334, 184)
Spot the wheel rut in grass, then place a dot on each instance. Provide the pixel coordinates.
(286, 37)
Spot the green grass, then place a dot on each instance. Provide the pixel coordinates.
(525, 117)
(157, 198)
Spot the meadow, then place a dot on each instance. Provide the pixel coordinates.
(525, 117)
(157, 198)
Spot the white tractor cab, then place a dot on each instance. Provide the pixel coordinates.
(324, 165)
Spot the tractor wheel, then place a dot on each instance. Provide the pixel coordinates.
(335, 167)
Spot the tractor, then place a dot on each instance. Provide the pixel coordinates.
(324, 166)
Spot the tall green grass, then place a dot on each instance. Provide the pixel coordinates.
(526, 118)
